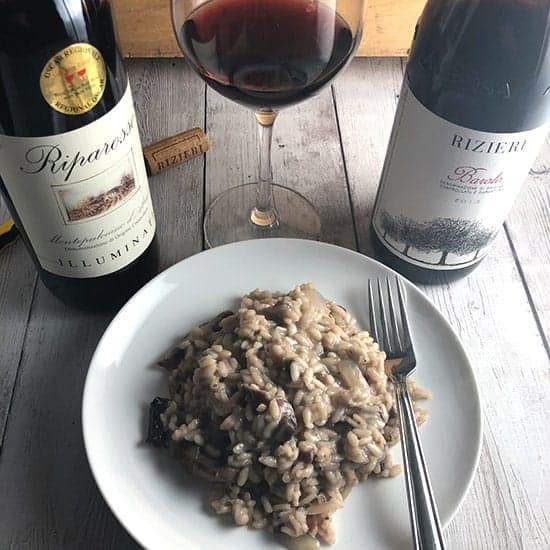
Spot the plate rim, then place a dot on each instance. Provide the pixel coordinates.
(128, 525)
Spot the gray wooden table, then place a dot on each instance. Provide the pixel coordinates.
(330, 148)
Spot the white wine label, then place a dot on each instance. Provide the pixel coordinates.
(445, 190)
(82, 196)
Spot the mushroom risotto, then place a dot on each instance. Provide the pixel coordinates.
(285, 404)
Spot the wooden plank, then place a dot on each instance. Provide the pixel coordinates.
(51, 500)
(528, 227)
(493, 316)
(306, 157)
(44, 475)
(17, 282)
(366, 99)
(144, 27)
(491, 311)
(169, 99)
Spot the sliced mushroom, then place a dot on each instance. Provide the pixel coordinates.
(173, 359)
(254, 395)
(201, 465)
(287, 422)
(352, 376)
(215, 323)
(314, 296)
(213, 435)
(156, 433)
(278, 313)
(306, 455)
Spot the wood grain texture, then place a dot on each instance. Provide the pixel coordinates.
(44, 474)
(170, 99)
(306, 157)
(505, 508)
(528, 228)
(144, 27)
(17, 282)
(366, 98)
(492, 314)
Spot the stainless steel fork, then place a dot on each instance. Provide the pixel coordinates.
(391, 331)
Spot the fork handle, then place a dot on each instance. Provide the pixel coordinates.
(423, 514)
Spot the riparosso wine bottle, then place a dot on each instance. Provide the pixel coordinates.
(71, 164)
(472, 115)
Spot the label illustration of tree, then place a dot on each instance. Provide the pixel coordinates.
(389, 224)
(458, 236)
(484, 236)
(444, 235)
(403, 229)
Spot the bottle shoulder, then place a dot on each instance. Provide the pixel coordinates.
(60, 68)
(484, 65)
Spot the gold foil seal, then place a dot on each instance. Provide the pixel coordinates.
(73, 81)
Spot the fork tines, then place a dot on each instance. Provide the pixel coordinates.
(388, 326)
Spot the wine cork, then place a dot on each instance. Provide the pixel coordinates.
(171, 151)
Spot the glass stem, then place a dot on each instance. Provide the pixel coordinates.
(264, 213)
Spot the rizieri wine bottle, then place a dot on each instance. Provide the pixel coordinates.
(472, 115)
(71, 164)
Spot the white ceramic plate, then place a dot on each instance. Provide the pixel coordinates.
(148, 491)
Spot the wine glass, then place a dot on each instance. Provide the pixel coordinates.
(266, 55)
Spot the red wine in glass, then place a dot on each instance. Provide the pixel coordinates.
(266, 54)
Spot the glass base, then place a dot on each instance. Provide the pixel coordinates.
(229, 216)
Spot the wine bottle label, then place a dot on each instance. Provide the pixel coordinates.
(73, 80)
(445, 190)
(82, 196)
